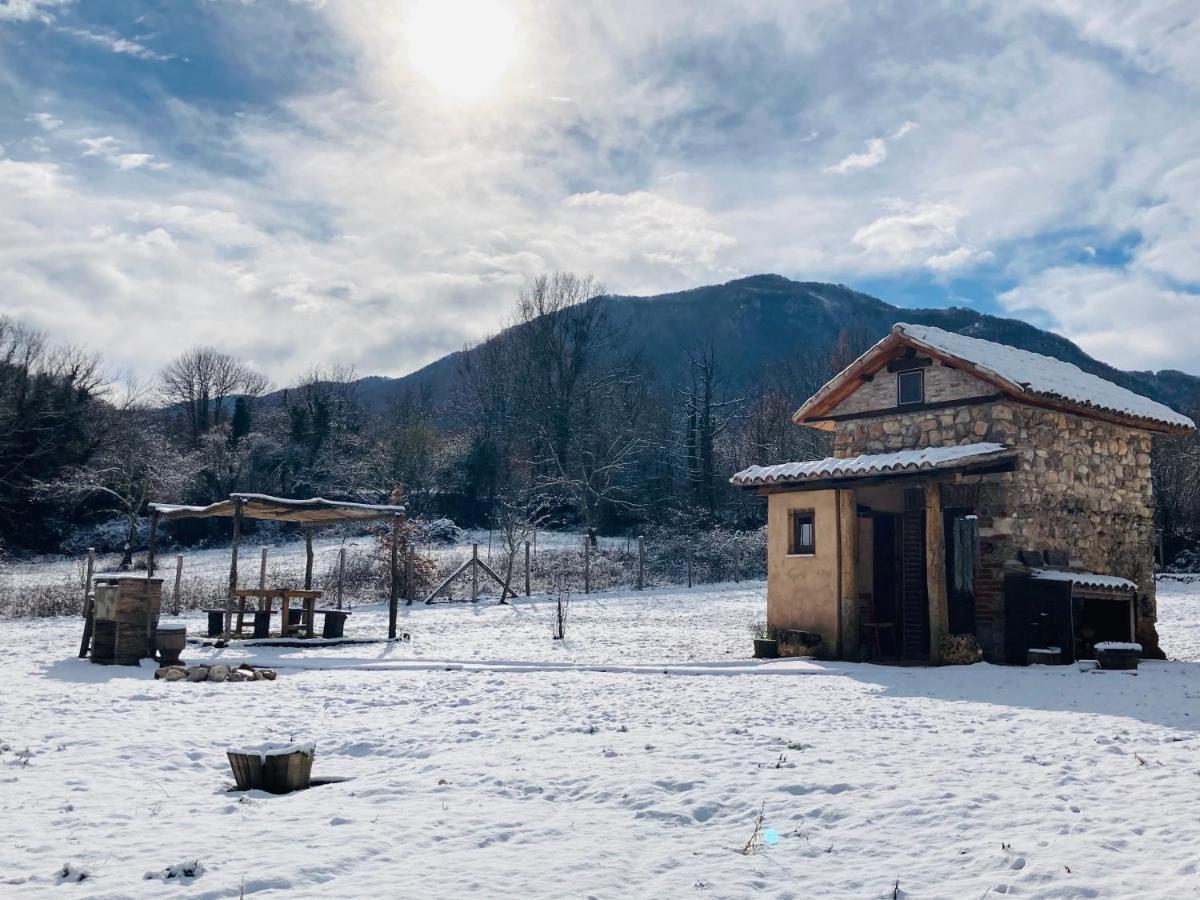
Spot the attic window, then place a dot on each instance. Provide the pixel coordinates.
(910, 387)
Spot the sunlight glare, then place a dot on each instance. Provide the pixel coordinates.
(464, 47)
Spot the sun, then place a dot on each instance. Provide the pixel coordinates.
(463, 47)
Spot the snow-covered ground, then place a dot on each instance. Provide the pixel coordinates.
(631, 760)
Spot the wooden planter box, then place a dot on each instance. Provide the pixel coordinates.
(274, 769)
(766, 648)
(1118, 660)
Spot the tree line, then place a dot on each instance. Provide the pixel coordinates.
(559, 419)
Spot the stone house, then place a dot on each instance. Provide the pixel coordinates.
(975, 489)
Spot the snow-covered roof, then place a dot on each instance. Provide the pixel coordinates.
(281, 509)
(1085, 579)
(1017, 372)
(902, 461)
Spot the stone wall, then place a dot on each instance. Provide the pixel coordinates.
(942, 384)
(1082, 486)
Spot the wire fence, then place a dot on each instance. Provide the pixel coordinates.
(359, 574)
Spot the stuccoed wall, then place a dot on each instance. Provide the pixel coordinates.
(1082, 486)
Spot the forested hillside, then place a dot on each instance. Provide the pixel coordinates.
(587, 409)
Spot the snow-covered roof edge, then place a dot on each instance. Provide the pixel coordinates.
(1084, 579)
(1043, 376)
(1021, 373)
(927, 459)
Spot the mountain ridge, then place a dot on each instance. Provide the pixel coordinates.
(758, 319)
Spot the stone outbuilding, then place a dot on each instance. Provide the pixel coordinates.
(975, 490)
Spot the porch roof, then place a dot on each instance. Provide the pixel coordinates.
(873, 465)
(1085, 580)
(317, 511)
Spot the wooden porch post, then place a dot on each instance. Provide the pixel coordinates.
(848, 572)
(152, 544)
(935, 571)
(233, 563)
(308, 559)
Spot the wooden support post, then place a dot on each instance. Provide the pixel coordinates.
(587, 565)
(233, 565)
(89, 618)
(152, 545)
(178, 582)
(691, 553)
(394, 580)
(410, 572)
(89, 568)
(308, 559)
(527, 568)
(847, 516)
(474, 573)
(935, 571)
(641, 573)
(341, 574)
(262, 570)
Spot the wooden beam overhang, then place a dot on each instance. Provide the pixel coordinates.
(908, 408)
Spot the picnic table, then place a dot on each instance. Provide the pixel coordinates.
(266, 597)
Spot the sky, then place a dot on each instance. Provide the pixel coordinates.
(371, 183)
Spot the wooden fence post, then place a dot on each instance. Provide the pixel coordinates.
(87, 578)
(178, 580)
(262, 570)
(89, 618)
(393, 594)
(341, 574)
(410, 571)
(641, 575)
(527, 568)
(587, 565)
(691, 551)
(474, 573)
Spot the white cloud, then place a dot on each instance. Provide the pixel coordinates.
(909, 233)
(117, 44)
(1114, 314)
(958, 259)
(30, 10)
(45, 121)
(360, 217)
(876, 152)
(110, 150)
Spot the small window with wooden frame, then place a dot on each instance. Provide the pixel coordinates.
(802, 532)
(910, 387)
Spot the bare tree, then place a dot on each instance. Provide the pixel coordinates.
(203, 381)
(135, 463)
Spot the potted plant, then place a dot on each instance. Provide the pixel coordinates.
(765, 644)
(1118, 655)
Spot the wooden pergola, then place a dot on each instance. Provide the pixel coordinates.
(309, 513)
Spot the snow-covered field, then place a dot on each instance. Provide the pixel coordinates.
(631, 760)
